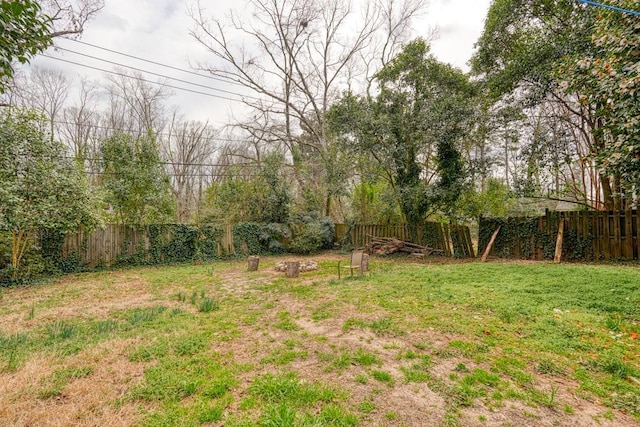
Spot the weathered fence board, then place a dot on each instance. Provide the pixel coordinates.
(104, 246)
(593, 235)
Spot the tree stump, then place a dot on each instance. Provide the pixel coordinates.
(293, 268)
(365, 263)
(253, 263)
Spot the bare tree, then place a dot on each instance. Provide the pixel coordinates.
(43, 89)
(297, 56)
(70, 16)
(188, 147)
(136, 106)
(80, 126)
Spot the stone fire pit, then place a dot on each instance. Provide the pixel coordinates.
(304, 266)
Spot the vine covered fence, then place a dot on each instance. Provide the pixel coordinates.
(587, 235)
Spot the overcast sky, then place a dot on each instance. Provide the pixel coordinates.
(158, 30)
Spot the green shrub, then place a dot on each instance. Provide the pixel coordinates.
(314, 235)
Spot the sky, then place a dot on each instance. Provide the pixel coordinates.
(158, 30)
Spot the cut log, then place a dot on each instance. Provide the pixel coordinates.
(293, 268)
(253, 263)
(490, 245)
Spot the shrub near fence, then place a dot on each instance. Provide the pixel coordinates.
(588, 236)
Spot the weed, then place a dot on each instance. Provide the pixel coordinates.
(13, 349)
(362, 379)
(382, 376)
(105, 326)
(61, 330)
(145, 315)
(181, 296)
(552, 395)
(285, 323)
(461, 367)
(366, 406)
(364, 358)
(421, 345)
(547, 366)
(190, 345)
(615, 366)
(613, 322)
(207, 305)
(381, 326)
(32, 312)
(391, 415)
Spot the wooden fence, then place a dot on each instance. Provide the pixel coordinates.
(112, 242)
(435, 235)
(105, 245)
(593, 235)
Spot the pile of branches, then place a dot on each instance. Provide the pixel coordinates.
(390, 245)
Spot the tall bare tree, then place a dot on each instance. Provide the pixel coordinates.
(136, 106)
(45, 90)
(296, 57)
(188, 147)
(80, 126)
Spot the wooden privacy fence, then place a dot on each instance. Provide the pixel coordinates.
(105, 245)
(451, 239)
(114, 243)
(587, 235)
(118, 243)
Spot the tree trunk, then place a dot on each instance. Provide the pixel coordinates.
(293, 268)
(253, 263)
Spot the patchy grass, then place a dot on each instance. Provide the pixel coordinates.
(455, 343)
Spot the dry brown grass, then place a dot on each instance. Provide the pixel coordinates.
(99, 399)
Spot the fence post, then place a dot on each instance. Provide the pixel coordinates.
(628, 233)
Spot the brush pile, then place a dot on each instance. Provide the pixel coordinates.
(391, 245)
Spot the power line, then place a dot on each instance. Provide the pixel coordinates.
(614, 8)
(172, 163)
(140, 78)
(220, 79)
(168, 135)
(158, 74)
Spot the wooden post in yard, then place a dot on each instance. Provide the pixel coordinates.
(293, 268)
(490, 245)
(253, 263)
(558, 255)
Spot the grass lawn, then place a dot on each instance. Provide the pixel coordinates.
(437, 344)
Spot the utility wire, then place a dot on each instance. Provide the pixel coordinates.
(158, 74)
(171, 163)
(140, 78)
(606, 6)
(165, 134)
(220, 79)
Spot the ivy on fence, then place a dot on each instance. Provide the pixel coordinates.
(535, 238)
